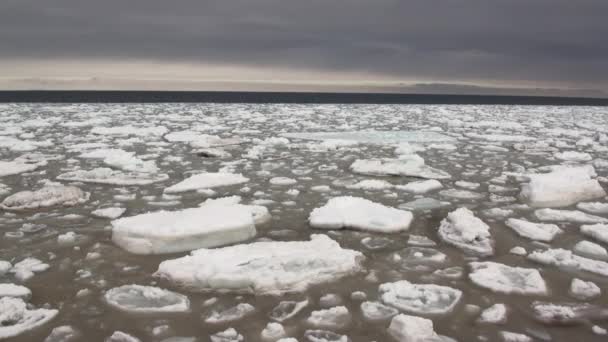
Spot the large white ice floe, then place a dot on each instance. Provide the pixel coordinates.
(597, 231)
(206, 180)
(407, 165)
(8, 168)
(506, 279)
(183, 230)
(374, 137)
(596, 208)
(422, 299)
(465, 231)
(104, 175)
(146, 299)
(566, 260)
(359, 213)
(560, 215)
(16, 318)
(534, 231)
(123, 160)
(48, 196)
(406, 328)
(561, 188)
(267, 267)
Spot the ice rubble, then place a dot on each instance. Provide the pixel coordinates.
(106, 175)
(558, 215)
(8, 168)
(139, 131)
(423, 299)
(183, 230)
(359, 213)
(48, 196)
(333, 318)
(406, 328)
(16, 318)
(597, 231)
(465, 231)
(407, 165)
(146, 299)
(206, 180)
(565, 259)
(534, 231)
(374, 137)
(584, 290)
(506, 279)
(267, 267)
(567, 313)
(421, 187)
(375, 311)
(120, 159)
(562, 187)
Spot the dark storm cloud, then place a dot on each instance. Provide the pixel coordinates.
(549, 41)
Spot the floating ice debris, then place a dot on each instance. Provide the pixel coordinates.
(263, 267)
(506, 279)
(461, 194)
(109, 213)
(509, 336)
(424, 204)
(64, 333)
(130, 130)
(414, 257)
(375, 243)
(406, 328)
(228, 335)
(183, 230)
(324, 336)
(375, 137)
(8, 168)
(112, 177)
(25, 269)
(500, 137)
(412, 166)
(495, 314)
(423, 299)
(420, 241)
(596, 208)
(565, 259)
(330, 300)
(206, 180)
(282, 181)
(334, 318)
(518, 250)
(584, 290)
(596, 231)
(287, 309)
(146, 299)
(534, 231)
(465, 231)
(591, 249)
(561, 188)
(231, 314)
(361, 214)
(12, 290)
(49, 196)
(16, 318)
(5, 266)
(259, 213)
(567, 313)
(573, 156)
(371, 184)
(273, 332)
(375, 311)
(559, 215)
(126, 161)
(421, 187)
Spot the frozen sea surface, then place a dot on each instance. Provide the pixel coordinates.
(463, 223)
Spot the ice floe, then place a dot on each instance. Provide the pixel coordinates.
(406, 328)
(16, 318)
(375, 311)
(423, 299)
(495, 314)
(584, 290)
(206, 180)
(412, 166)
(231, 314)
(597, 231)
(567, 313)
(421, 187)
(565, 259)
(106, 175)
(465, 231)
(559, 215)
(146, 299)
(534, 231)
(333, 318)
(506, 279)
(8, 168)
(49, 196)
(287, 309)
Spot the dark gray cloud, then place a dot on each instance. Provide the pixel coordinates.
(543, 43)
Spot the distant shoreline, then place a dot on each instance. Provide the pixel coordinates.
(87, 96)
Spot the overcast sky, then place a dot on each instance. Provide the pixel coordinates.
(305, 44)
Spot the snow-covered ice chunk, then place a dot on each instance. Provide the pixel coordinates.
(375, 311)
(333, 318)
(183, 230)
(259, 213)
(146, 299)
(228, 335)
(573, 156)
(231, 314)
(371, 184)
(465, 231)
(406, 328)
(565, 259)
(110, 213)
(12, 290)
(506, 279)
(273, 332)
(558, 215)
(25, 269)
(509, 336)
(591, 249)
(421, 187)
(282, 181)
(423, 299)
(596, 208)
(287, 309)
(48, 196)
(104, 175)
(359, 213)
(16, 318)
(496, 314)
(122, 159)
(534, 231)
(324, 336)
(64, 333)
(567, 313)
(597, 231)
(584, 290)
(267, 267)
(206, 180)
(412, 166)
(561, 188)
(9, 168)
